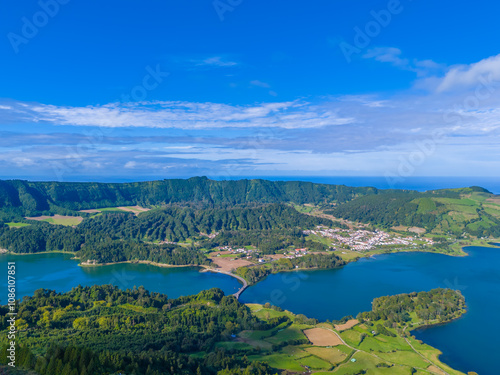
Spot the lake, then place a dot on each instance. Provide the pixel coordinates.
(61, 273)
(468, 344)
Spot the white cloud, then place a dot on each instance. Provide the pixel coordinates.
(218, 61)
(378, 131)
(463, 76)
(184, 115)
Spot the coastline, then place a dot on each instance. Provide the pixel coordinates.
(439, 352)
(463, 252)
(430, 325)
(205, 268)
(151, 263)
(40, 252)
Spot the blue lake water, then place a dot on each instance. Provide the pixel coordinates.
(61, 273)
(468, 344)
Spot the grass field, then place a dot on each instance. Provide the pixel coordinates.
(232, 345)
(18, 225)
(287, 334)
(404, 358)
(295, 351)
(331, 355)
(376, 354)
(280, 361)
(348, 255)
(315, 363)
(59, 219)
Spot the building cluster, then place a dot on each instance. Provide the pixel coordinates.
(364, 240)
(235, 251)
(296, 253)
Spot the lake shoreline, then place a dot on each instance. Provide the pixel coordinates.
(440, 348)
(151, 263)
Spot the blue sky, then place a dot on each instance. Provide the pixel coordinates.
(153, 89)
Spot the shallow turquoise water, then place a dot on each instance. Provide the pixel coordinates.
(325, 294)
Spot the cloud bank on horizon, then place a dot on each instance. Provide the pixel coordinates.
(442, 120)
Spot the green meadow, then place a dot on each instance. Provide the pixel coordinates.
(285, 347)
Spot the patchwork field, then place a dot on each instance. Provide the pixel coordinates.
(291, 345)
(322, 337)
(349, 324)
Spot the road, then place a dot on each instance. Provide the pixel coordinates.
(241, 290)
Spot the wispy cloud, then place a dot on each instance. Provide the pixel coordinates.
(367, 134)
(264, 85)
(394, 57)
(203, 62)
(218, 61)
(260, 84)
(181, 115)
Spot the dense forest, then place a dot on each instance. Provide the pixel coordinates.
(114, 237)
(103, 330)
(437, 304)
(211, 214)
(178, 224)
(23, 198)
(386, 210)
(319, 261)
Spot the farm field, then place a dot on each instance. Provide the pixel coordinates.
(322, 337)
(58, 219)
(298, 347)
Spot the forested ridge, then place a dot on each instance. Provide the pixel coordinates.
(388, 210)
(430, 210)
(24, 198)
(116, 237)
(180, 223)
(240, 213)
(104, 330)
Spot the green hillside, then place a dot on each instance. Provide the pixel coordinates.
(116, 237)
(24, 198)
(102, 330)
(452, 211)
(269, 215)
